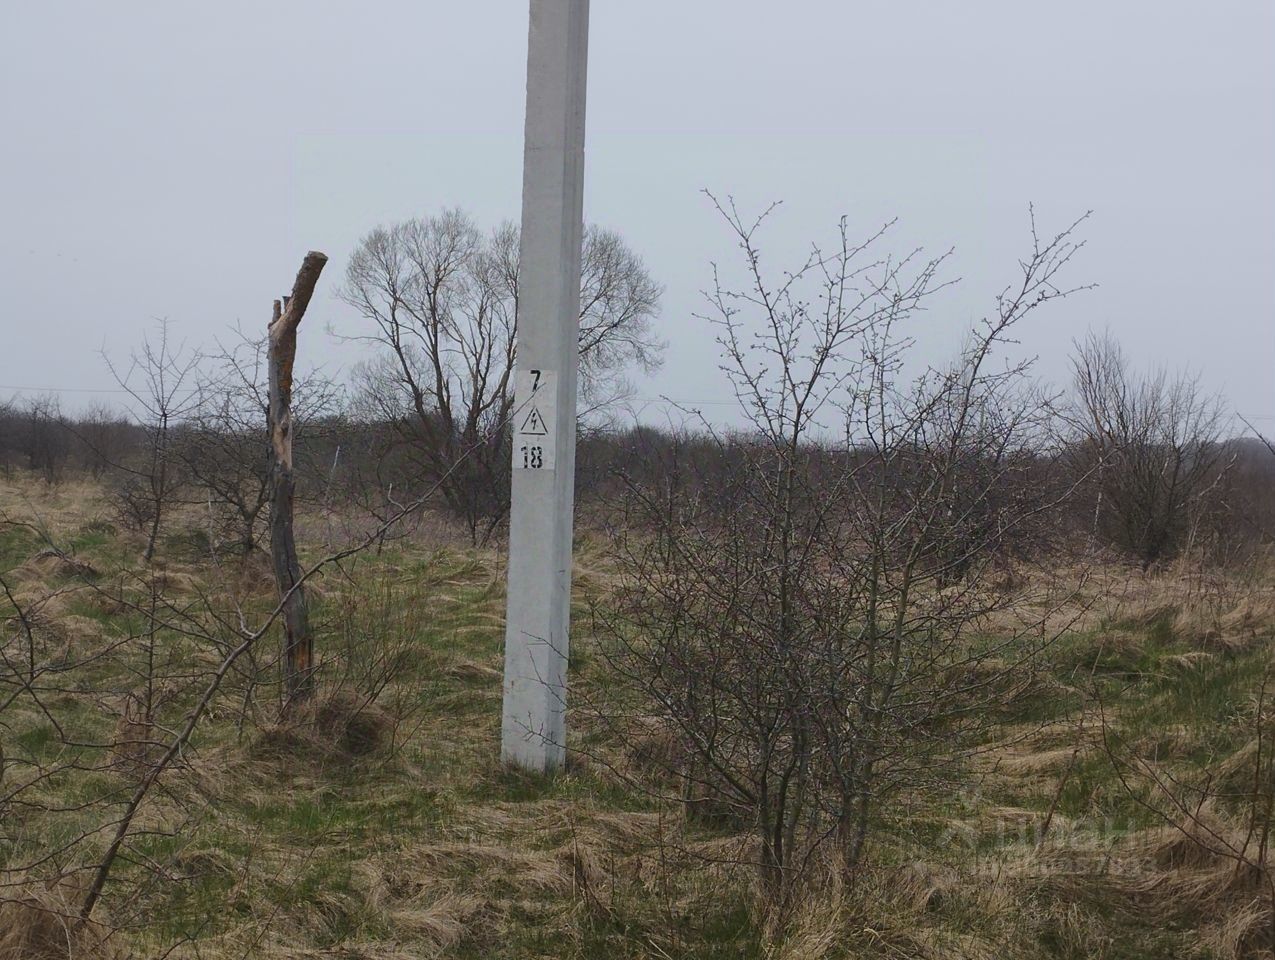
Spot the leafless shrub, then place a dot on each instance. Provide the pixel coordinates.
(371, 676)
(801, 603)
(44, 437)
(1152, 447)
(159, 382)
(104, 438)
(221, 445)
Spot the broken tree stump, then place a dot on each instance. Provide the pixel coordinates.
(298, 644)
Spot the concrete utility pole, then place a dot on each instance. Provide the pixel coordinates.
(533, 728)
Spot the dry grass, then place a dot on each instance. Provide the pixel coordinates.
(62, 509)
(41, 922)
(338, 727)
(316, 839)
(1212, 869)
(1209, 610)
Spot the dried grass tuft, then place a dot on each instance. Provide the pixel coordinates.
(816, 930)
(441, 922)
(339, 727)
(41, 922)
(921, 887)
(1210, 869)
(51, 564)
(472, 670)
(534, 871)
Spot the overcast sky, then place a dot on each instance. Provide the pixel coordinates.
(177, 159)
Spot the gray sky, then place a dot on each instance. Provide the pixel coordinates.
(177, 159)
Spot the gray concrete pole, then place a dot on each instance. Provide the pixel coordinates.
(533, 727)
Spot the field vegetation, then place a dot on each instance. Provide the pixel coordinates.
(919, 661)
(1118, 806)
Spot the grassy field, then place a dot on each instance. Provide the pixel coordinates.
(391, 830)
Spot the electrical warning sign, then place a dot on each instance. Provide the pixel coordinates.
(535, 412)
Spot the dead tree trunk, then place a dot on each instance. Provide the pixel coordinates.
(298, 647)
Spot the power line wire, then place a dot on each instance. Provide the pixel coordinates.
(12, 386)
(679, 401)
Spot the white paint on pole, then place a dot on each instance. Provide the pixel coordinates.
(533, 727)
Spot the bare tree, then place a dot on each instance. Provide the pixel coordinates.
(221, 446)
(442, 298)
(1153, 445)
(8, 435)
(104, 436)
(800, 609)
(160, 382)
(45, 437)
(618, 300)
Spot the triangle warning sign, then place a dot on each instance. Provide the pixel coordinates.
(534, 425)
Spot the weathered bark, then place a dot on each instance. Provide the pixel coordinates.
(298, 647)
